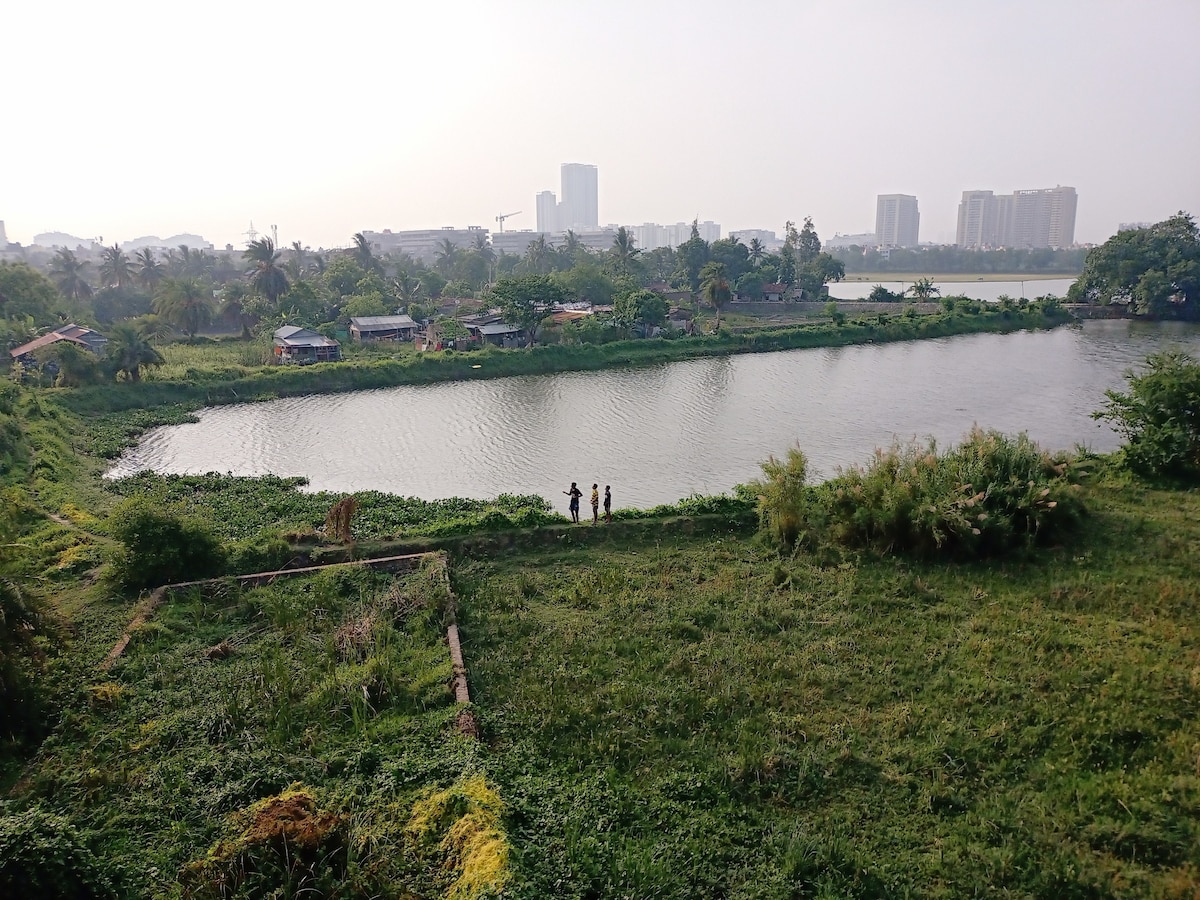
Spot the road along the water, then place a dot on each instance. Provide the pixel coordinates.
(660, 433)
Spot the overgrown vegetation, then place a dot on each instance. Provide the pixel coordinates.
(1159, 417)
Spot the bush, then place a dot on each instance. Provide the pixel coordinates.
(161, 548)
(989, 495)
(783, 498)
(1160, 417)
(41, 855)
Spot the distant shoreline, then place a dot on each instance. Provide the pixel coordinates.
(955, 277)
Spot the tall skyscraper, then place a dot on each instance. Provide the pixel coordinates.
(3, 237)
(547, 212)
(897, 221)
(1028, 219)
(579, 209)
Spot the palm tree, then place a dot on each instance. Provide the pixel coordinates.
(297, 264)
(129, 351)
(266, 276)
(186, 303)
(117, 269)
(624, 249)
(407, 287)
(923, 289)
(364, 255)
(757, 251)
(715, 288)
(67, 273)
(537, 256)
(149, 269)
(446, 255)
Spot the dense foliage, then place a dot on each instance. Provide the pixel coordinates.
(988, 495)
(161, 547)
(1159, 417)
(1156, 270)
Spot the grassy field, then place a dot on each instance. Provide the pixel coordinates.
(706, 719)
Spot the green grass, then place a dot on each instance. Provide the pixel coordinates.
(705, 719)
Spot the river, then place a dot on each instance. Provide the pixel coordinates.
(978, 290)
(660, 433)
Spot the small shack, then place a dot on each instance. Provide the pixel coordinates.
(382, 328)
(75, 334)
(499, 334)
(774, 293)
(294, 344)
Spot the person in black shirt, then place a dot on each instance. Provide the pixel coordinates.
(607, 503)
(574, 493)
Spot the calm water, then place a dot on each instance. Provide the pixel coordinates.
(979, 290)
(661, 433)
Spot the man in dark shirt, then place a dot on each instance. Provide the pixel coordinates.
(607, 503)
(574, 493)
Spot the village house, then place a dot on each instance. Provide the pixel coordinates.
(302, 346)
(382, 328)
(75, 334)
(774, 293)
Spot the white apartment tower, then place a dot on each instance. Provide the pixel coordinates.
(897, 220)
(580, 200)
(547, 212)
(1028, 219)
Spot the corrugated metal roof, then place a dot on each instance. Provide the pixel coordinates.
(77, 334)
(498, 328)
(382, 322)
(295, 336)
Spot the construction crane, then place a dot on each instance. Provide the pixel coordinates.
(501, 219)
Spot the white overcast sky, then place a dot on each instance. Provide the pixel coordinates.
(129, 118)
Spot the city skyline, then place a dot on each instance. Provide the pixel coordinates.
(1029, 109)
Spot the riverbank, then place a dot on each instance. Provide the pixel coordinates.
(956, 277)
(237, 384)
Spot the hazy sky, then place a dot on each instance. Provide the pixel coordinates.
(129, 118)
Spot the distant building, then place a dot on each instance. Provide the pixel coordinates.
(1026, 219)
(3, 236)
(897, 221)
(842, 241)
(1124, 226)
(75, 334)
(580, 210)
(547, 211)
(302, 346)
(425, 243)
(382, 328)
(517, 241)
(766, 238)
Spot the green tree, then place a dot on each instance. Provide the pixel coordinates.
(923, 290)
(26, 293)
(1159, 417)
(67, 273)
(755, 251)
(364, 255)
(445, 257)
(527, 300)
(715, 288)
(808, 245)
(750, 286)
(158, 547)
(76, 366)
(266, 275)
(692, 254)
(117, 269)
(733, 254)
(636, 308)
(128, 351)
(186, 303)
(624, 250)
(1156, 270)
(149, 270)
(406, 287)
(539, 256)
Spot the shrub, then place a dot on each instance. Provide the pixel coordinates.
(783, 498)
(988, 495)
(41, 855)
(1159, 417)
(159, 547)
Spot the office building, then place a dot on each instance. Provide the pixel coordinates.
(1026, 219)
(897, 220)
(423, 244)
(3, 237)
(517, 242)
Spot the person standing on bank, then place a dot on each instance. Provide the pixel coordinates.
(574, 493)
(595, 504)
(607, 503)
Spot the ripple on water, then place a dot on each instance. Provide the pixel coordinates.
(662, 432)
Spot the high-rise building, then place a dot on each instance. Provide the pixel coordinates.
(547, 212)
(897, 221)
(579, 209)
(1028, 219)
(3, 237)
